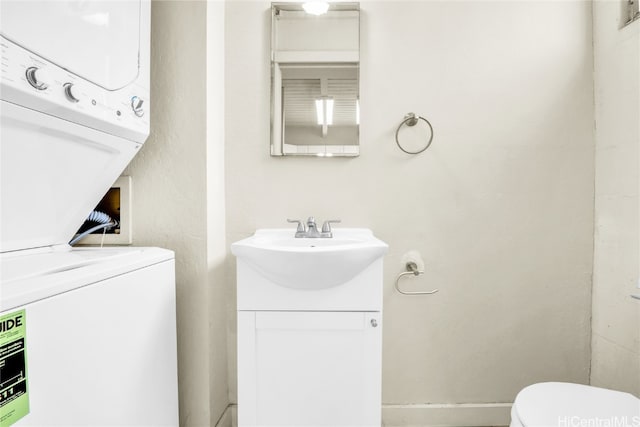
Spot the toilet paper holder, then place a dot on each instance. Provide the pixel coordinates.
(412, 270)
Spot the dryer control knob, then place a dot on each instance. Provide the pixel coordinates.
(136, 106)
(38, 78)
(71, 92)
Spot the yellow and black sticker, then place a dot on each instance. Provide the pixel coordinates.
(14, 396)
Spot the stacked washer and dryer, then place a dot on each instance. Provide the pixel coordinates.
(88, 335)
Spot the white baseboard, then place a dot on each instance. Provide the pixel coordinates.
(426, 415)
(447, 415)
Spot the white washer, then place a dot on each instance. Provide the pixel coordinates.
(100, 337)
(97, 334)
(564, 405)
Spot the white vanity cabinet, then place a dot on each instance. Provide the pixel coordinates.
(309, 368)
(309, 355)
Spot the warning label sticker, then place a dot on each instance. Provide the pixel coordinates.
(14, 399)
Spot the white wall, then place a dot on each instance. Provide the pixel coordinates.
(178, 187)
(616, 317)
(501, 205)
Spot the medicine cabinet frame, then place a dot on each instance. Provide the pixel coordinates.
(315, 81)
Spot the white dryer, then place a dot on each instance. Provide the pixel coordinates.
(87, 336)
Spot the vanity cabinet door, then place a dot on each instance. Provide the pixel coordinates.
(309, 368)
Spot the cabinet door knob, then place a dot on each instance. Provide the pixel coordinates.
(374, 323)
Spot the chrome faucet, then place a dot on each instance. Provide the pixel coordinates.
(311, 230)
(326, 228)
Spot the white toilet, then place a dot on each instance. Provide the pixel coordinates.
(566, 405)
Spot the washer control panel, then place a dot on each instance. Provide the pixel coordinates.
(38, 78)
(72, 92)
(33, 82)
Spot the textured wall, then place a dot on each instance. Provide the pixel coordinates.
(616, 317)
(178, 198)
(501, 205)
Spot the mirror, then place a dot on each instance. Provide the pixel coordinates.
(315, 88)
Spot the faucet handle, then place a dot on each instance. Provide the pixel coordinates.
(326, 227)
(300, 228)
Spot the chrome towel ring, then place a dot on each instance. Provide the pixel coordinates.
(411, 120)
(412, 269)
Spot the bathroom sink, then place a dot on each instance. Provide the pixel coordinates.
(309, 263)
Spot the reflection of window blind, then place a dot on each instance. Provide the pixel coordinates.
(299, 101)
(300, 96)
(345, 95)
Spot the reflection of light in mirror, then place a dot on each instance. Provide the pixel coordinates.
(320, 111)
(328, 105)
(316, 7)
(324, 111)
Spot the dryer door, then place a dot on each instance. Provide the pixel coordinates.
(95, 39)
(52, 174)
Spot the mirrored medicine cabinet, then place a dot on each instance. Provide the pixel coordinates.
(315, 90)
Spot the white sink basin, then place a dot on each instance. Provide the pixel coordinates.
(304, 263)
